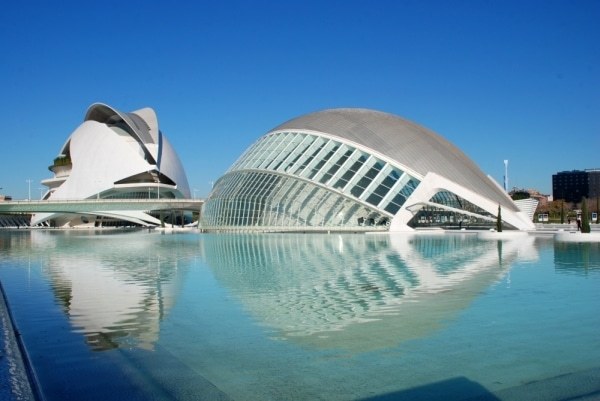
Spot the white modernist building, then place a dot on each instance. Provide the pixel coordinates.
(356, 170)
(114, 155)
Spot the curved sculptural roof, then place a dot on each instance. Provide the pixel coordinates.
(404, 142)
(142, 124)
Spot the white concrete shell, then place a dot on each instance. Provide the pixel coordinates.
(355, 169)
(115, 155)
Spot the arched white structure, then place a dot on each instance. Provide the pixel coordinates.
(355, 169)
(114, 155)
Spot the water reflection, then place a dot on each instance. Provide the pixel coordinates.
(115, 289)
(577, 258)
(357, 291)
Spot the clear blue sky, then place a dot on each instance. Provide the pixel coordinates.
(516, 80)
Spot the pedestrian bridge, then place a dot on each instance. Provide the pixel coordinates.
(96, 205)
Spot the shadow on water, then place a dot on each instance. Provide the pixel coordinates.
(458, 388)
(582, 385)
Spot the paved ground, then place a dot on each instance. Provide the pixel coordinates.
(14, 381)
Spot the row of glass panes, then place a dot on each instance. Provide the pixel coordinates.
(139, 194)
(251, 198)
(432, 216)
(450, 199)
(333, 164)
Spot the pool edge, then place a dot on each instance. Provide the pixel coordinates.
(15, 364)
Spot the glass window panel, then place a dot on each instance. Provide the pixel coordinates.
(297, 155)
(294, 140)
(389, 181)
(335, 167)
(374, 199)
(322, 162)
(326, 177)
(314, 149)
(347, 176)
(356, 190)
(396, 203)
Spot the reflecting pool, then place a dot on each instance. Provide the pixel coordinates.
(140, 315)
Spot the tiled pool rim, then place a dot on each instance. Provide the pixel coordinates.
(17, 376)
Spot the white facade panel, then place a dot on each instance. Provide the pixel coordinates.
(115, 155)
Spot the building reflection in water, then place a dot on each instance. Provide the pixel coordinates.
(577, 258)
(358, 292)
(115, 289)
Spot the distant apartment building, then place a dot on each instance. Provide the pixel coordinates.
(573, 186)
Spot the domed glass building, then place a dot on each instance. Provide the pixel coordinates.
(114, 155)
(355, 170)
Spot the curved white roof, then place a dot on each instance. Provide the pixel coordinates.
(119, 152)
(142, 124)
(409, 144)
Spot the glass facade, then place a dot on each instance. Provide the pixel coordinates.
(300, 180)
(464, 215)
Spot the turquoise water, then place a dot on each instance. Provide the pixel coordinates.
(139, 315)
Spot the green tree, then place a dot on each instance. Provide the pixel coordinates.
(562, 212)
(554, 209)
(517, 195)
(499, 220)
(585, 219)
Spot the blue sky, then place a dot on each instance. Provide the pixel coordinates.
(516, 80)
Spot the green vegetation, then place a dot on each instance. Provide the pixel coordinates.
(585, 218)
(562, 212)
(62, 160)
(499, 220)
(517, 195)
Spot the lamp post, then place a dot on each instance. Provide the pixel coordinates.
(41, 189)
(29, 193)
(505, 175)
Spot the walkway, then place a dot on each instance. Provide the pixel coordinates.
(105, 205)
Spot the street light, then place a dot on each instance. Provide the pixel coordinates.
(29, 194)
(505, 175)
(41, 189)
